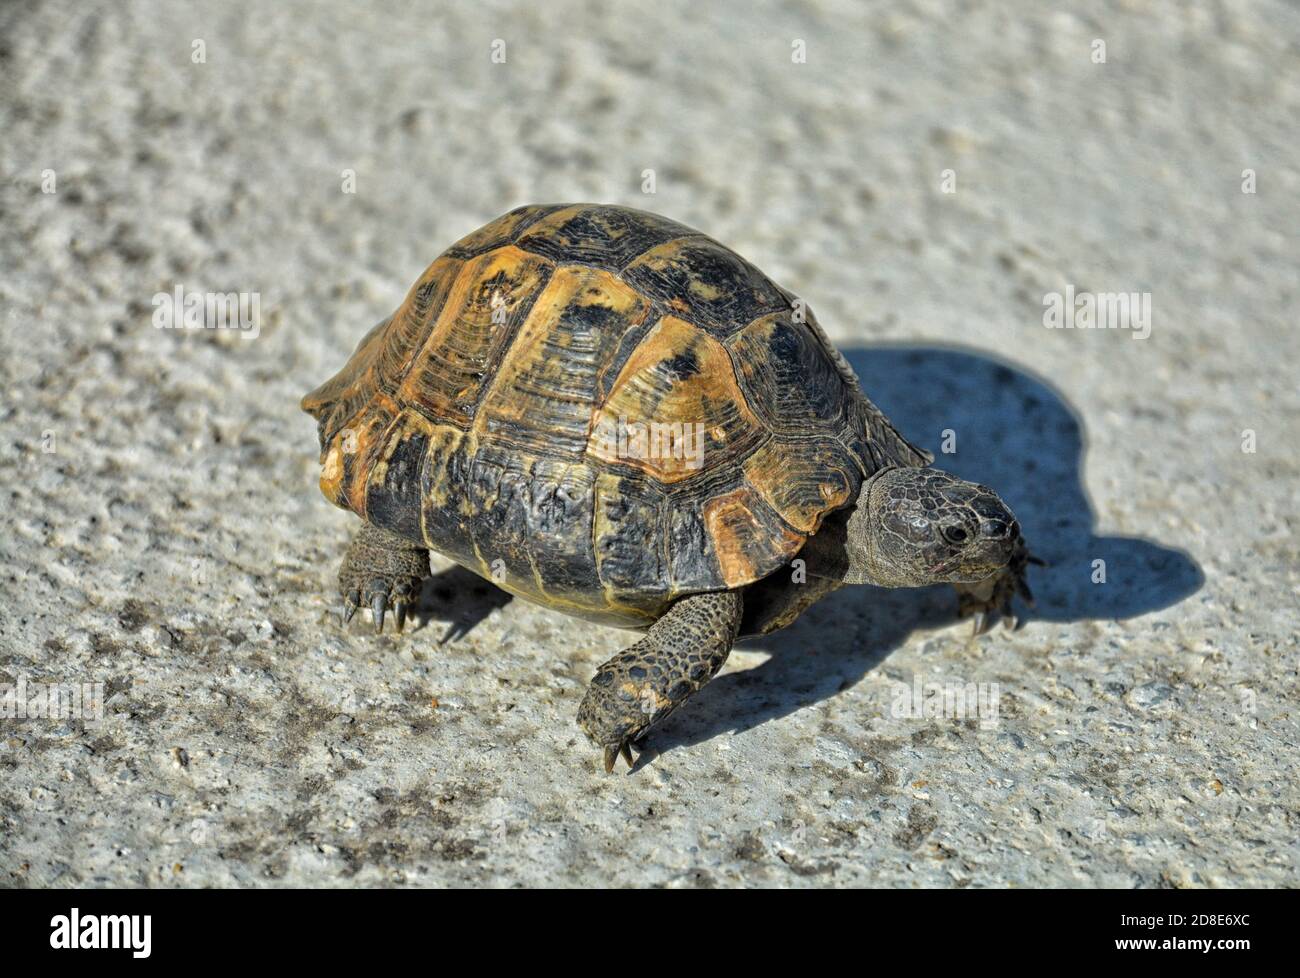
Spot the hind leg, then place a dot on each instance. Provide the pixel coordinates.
(382, 570)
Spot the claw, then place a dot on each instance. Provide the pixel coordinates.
(351, 601)
(612, 753)
(399, 612)
(377, 605)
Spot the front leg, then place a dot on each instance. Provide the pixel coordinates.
(641, 685)
(990, 598)
(379, 569)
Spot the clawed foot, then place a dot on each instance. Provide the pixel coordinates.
(990, 599)
(380, 596)
(645, 682)
(616, 711)
(383, 572)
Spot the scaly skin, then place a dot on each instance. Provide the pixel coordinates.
(912, 527)
(645, 682)
(382, 570)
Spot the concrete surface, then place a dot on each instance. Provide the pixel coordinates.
(162, 533)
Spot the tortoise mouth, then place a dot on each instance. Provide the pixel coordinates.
(986, 557)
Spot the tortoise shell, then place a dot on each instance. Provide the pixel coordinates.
(600, 410)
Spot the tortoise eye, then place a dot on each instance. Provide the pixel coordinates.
(955, 534)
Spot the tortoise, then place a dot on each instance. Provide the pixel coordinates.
(608, 413)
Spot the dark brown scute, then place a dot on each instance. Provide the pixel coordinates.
(700, 280)
(503, 231)
(594, 234)
(393, 496)
(787, 377)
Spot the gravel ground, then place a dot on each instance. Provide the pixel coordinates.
(163, 535)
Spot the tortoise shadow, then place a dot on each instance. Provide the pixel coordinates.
(460, 599)
(1010, 430)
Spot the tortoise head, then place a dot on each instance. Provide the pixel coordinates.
(924, 526)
